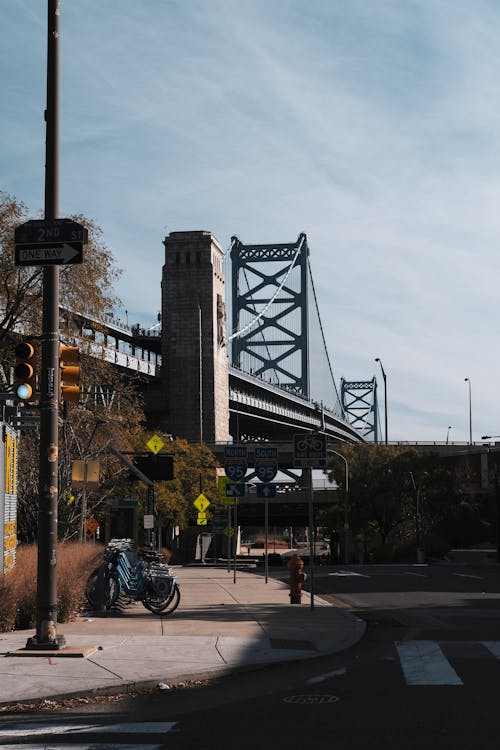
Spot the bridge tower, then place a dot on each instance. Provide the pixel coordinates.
(359, 400)
(193, 342)
(269, 312)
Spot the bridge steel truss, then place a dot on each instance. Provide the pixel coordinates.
(359, 401)
(265, 305)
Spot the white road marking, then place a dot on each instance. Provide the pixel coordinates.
(323, 677)
(348, 573)
(424, 663)
(420, 575)
(468, 575)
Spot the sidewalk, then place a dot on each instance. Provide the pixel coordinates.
(220, 627)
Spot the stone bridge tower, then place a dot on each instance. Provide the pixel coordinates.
(195, 381)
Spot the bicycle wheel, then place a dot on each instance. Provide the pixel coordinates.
(111, 589)
(163, 606)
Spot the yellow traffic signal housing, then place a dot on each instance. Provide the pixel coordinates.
(69, 361)
(24, 371)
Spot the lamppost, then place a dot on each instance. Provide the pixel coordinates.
(377, 359)
(467, 380)
(346, 506)
(448, 434)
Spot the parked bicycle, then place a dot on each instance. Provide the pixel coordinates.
(146, 578)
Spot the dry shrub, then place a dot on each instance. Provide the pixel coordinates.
(23, 578)
(8, 604)
(75, 563)
(18, 587)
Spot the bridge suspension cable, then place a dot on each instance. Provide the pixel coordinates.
(339, 402)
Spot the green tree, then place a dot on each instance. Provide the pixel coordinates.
(383, 485)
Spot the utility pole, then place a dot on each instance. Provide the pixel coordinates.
(46, 614)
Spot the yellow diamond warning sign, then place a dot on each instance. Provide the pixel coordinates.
(155, 444)
(201, 503)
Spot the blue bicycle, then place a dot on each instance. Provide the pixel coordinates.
(146, 579)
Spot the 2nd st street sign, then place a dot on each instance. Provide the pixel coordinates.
(49, 243)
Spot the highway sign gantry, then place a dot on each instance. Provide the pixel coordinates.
(49, 243)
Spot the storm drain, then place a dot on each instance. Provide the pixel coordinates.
(292, 645)
(311, 700)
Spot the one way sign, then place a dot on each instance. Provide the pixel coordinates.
(57, 254)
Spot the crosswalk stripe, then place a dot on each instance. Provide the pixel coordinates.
(30, 730)
(134, 727)
(424, 663)
(91, 746)
(493, 647)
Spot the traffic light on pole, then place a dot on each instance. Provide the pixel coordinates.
(69, 361)
(24, 371)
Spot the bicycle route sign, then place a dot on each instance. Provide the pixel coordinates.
(309, 450)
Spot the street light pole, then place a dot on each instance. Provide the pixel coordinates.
(346, 506)
(377, 359)
(448, 434)
(467, 380)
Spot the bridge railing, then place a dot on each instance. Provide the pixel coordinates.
(123, 359)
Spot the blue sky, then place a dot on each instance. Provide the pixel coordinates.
(372, 125)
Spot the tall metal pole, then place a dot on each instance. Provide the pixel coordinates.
(307, 475)
(467, 380)
(266, 538)
(377, 359)
(46, 615)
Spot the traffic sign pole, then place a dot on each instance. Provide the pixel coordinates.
(228, 538)
(266, 535)
(235, 539)
(46, 610)
(307, 474)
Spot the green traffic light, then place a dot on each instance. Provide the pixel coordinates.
(24, 391)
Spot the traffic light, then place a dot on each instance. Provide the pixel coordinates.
(69, 362)
(24, 371)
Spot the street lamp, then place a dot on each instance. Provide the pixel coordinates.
(377, 359)
(489, 437)
(448, 434)
(467, 380)
(346, 505)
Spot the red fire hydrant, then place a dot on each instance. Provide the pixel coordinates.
(297, 577)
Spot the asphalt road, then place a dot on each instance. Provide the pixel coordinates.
(427, 671)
